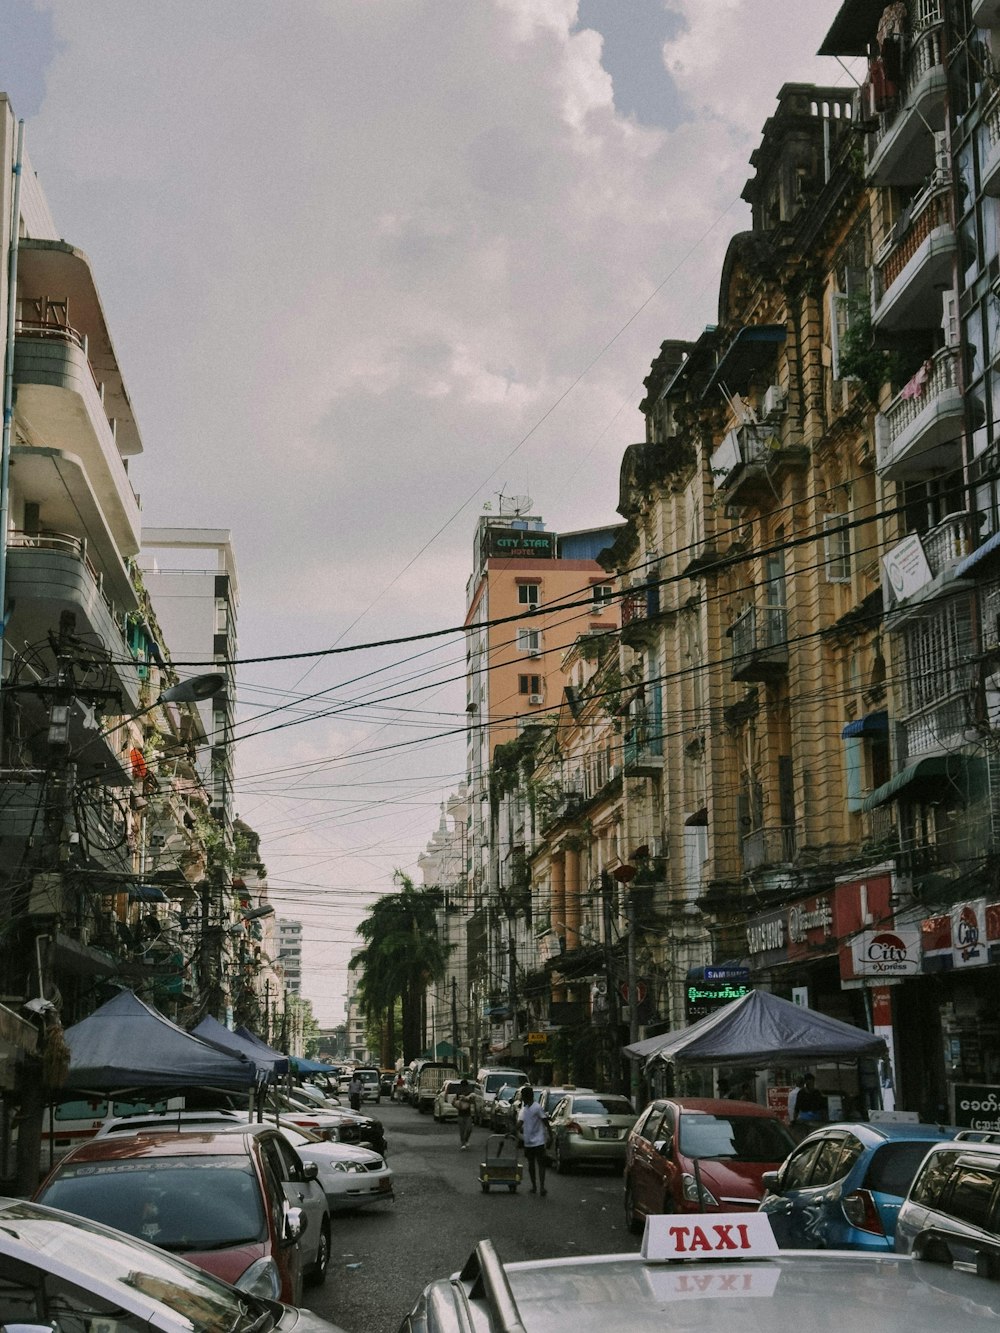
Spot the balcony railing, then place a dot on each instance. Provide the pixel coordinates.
(902, 150)
(930, 211)
(942, 727)
(923, 421)
(640, 604)
(769, 847)
(880, 825)
(760, 643)
(743, 446)
(950, 541)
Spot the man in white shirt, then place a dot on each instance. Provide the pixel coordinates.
(532, 1121)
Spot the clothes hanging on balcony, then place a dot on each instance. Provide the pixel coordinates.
(879, 89)
(890, 34)
(915, 387)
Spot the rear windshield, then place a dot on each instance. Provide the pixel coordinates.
(750, 1138)
(368, 1075)
(494, 1082)
(602, 1106)
(177, 1203)
(893, 1166)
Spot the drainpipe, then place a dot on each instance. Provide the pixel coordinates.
(8, 390)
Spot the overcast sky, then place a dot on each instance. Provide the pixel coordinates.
(368, 263)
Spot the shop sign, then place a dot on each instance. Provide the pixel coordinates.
(861, 905)
(703, 999)
(968, 933)
(886, 952)
(767, 939)
(536, 1039)
(815, 914)
(977, 1106)
(906, 567)
(730, 975)
(521, 544)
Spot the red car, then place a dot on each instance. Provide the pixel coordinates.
(222, 1201)
(695, 1155)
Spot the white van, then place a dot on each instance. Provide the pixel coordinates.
(489, 1081)
(66, 1124)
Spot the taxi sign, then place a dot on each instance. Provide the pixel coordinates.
(708, 1236)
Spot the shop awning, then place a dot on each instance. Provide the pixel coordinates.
(989, 547)
(872, 724)
(147, 893)
(922, 774)
(852, 30)
(753, 348)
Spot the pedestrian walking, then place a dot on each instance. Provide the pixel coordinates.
(533, 1123)
(463, 1105)
(355, 1091)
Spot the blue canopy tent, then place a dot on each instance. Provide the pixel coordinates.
(280, 1059)
(127, 1045)
(272, 1064)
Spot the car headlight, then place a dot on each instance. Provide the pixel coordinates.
(261, 1279)
(690, 1187)
(352, 1168)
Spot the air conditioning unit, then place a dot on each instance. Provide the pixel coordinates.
(775, 400)
(534, 652)
(534, 698)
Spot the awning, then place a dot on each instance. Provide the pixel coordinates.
(923, 774)
(872, 724)
(852, 30)
(753, 348)
(989, 547)
(147, 893)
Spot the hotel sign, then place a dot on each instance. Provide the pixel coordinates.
(521, 544)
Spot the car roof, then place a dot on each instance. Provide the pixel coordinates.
(786, 1292)
(717, 1106)
(167, 1143)
(882, 1132)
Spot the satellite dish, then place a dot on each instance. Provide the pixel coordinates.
(515, 504)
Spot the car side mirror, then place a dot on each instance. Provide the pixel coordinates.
(770, 1180)
(309, 1170)
(294, 1225)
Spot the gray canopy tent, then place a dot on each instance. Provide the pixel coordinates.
(759, 1029)
(271, 1063)
(127, 1045)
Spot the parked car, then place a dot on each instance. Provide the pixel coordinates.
(444, 1102)
(240, 1205)
(386, 1080)
(501, 1121)
(489, 1081)
(695, 1155)
(54, 1261)
(952, 1211)
(371, 1079)
(843, 1185)
(590, 1129)
(550, 1097)
(429, 1078)
(517, 1101)
(350, 1176)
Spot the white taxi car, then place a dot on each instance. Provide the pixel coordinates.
(711, 1273)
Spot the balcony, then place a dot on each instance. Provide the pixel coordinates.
(938, 729)
(920, 431)
(901, 150)
(880, 827)
(769, 847)
(760, 644)
(745, 464)
(640, 615)
(949, 541)
(915, 264)
(642, 752)
(51, 572)
(58, 400)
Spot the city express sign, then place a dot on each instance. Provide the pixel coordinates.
(892, 951)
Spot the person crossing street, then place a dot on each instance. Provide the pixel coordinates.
(532, 1121)
(463, 1105)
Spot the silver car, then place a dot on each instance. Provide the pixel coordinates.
(952, 1210)
(724, 1289)
(590, 1129)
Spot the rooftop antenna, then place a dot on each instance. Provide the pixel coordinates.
(515, 504)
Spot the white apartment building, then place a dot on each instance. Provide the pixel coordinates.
(290, 953)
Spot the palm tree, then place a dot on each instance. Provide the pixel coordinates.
(402, 955)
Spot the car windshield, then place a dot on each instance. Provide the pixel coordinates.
(748, 1138)
(177, 1203)
(368, 1075)
(601, 1106)
(170, 1287)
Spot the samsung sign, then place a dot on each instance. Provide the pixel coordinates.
(892, 951)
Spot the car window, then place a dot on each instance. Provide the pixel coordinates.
(970, 1196)
(291, 1161)
(30, 1296)
(648, 1128)
(602, 1106)
(893, 1166)
(929, 1185)
(746, 1138)
(827, 1161)
(797, 1170)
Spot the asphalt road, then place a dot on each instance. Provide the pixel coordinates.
(384, 1255)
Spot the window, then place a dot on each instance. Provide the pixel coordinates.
(826, 1168)
(795, 1175)
(837, 548)
(221, 615)
(529, 684)
(527, 594)
(603, 594)
(529, 641)
(970, 1195)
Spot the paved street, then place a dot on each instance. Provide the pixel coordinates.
(384, 1256)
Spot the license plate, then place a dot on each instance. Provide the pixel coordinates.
(610, 1133)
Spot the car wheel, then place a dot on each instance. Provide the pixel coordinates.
(633, 1221)
(317, 1274)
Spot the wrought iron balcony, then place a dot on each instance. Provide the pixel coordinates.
(760, 643)
(769, 847)
(901, 151)
(915, 263)
(640, 613)
(643, 752)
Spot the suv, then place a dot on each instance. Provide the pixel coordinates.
(488, 1083)
(953, 1208)
(372, 1080)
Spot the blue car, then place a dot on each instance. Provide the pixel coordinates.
(842, 1187)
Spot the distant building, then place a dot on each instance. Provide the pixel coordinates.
(290, 947)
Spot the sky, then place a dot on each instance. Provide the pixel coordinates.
(367, 265)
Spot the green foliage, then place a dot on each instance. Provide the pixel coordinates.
(860, 359)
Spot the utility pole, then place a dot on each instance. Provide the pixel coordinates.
(454, 1014)
(625, 874)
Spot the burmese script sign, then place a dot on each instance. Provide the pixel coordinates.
(704, 997)
(977, 1106)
